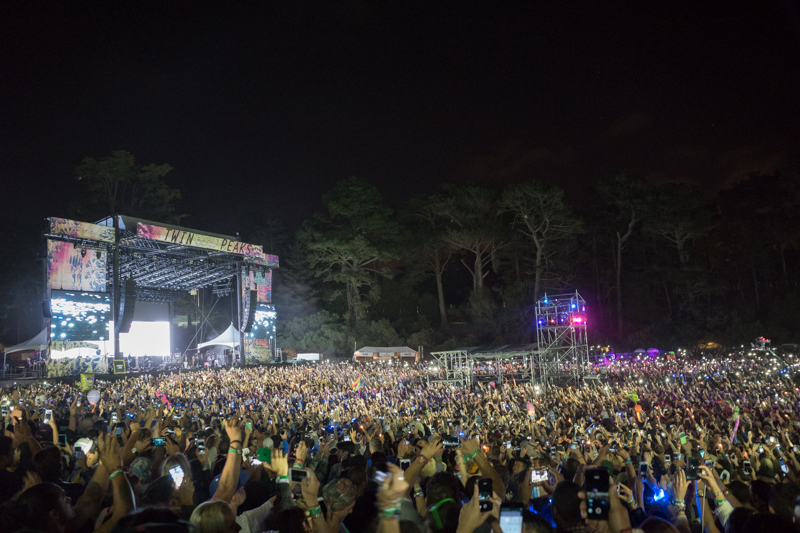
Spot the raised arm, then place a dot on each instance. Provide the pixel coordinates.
(229, 479)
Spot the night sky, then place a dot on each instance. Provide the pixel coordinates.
(261, 108)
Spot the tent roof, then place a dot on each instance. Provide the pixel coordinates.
(37, 342)
(229, 337)
(385, 349)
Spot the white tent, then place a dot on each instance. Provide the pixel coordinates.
(229, 337)
(39, 342)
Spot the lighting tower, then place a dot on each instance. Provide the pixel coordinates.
(563, 347)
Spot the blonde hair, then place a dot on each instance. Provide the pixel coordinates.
(209, 517)
(177, 460)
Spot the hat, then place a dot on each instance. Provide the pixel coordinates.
(142, 467)
(244, 477)
(268, 443)
(339, 493)
(85, 445)
(608, 465)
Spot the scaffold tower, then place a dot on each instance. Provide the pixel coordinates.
(563, 346)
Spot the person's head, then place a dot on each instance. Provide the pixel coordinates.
(781, 499)
(47, 464)
(375, 445)
(657, 525)
(566, 504)
(737, 520)
(291, 520)
(535, 523)
(214, 516)
(89, 448)
(6, 452)
(46, 507)
(759, 495)
(177, 459)
(339, 495)
(443, 502)
(358, 476)
(768, 523)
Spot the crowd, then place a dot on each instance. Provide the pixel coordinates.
(659, 446)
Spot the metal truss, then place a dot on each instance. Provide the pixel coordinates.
(454, 367)
(563, 346)
(469, 365)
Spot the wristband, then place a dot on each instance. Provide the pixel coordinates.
(235, 441)
(298, 464)
(115, 473)
(283, 479)
(438, 459)
(418, 493)
(234, 450)
(391, 512)
(315, 511)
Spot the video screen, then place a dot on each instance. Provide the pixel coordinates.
(79, 316)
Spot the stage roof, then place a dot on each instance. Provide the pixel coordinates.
(163, 259)
(509, 349)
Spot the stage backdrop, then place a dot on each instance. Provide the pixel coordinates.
(67, 270)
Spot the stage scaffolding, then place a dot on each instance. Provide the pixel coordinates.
(560, 355)
(563, 347)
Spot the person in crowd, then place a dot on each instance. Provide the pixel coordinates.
(690, 443)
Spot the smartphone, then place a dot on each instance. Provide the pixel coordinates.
(347, 438)
(725, 476)
(691, 469)
(597, 500)
(264, 455)
(667, 458)
(746, 467)
(539, 476)
(380, 477)
(404, 464)
(201, 445)
(255, 462)
(78, 453)
(450, 442)
(249, 426)
(118, 432)
(114, 417)
(485, 494)
(62, 439)
(682, 436)
(511, 517)
(298, 475)
(176, 473)
(643, 469)
(159, 441)
(678, 456)
(784, 468)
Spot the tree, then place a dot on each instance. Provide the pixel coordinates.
(116, 185)
(351, 241)
(435, 250)
(541, 214)
(474, 228)
(626, 198)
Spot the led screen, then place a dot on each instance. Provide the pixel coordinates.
(260, 341)
(145, 338)
(79, 316)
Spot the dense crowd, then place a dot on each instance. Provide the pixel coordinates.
(683, 445)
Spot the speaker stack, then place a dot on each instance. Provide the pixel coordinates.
(127, 305)
(249, 315)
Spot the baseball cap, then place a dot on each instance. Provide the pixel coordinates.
(84, 444)
(244, 477)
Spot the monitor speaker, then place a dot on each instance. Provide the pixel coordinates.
(249, 311)
(127, 305)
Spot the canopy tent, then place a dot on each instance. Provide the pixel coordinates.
(39, 342)
(229, 337)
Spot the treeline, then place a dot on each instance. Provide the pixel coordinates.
(658, 265)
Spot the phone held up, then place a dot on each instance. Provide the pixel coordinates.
(596, 485)
(511, 517)
(485, 493)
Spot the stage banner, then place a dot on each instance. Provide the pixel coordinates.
(87, 381)
(262, 283)
(72, 269)
(207, 242)
(81, 230)
(119, 366)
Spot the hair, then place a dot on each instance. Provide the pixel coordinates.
(740, 491)
(209, 517)
(286, 521)
(781, 499)
(738, 519)
(149, 515)
(47, 463)
(535, 523)
(768, 523)
(567, 503)
(6, 445)
(34, 505)
(759, 491)
(657, 525)
(358, 476)
(177, 460)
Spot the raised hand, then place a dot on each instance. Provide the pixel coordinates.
(310, 488)
(233, 428)
(279, 462)
(110, 457)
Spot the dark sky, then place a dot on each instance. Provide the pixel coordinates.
(262, 106)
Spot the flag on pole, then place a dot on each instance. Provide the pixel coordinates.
(357, 384)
